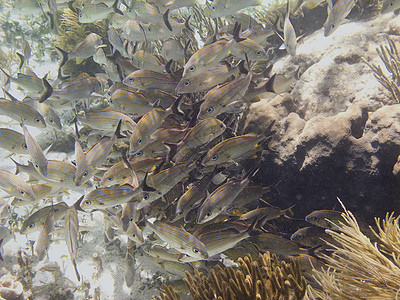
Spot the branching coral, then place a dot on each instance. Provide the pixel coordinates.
(267, 278)
(360, 269)
(390, 57)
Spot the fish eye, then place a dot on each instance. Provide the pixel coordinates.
(214, 157)
(131, 219)
(187, 83)
(186, 157)
(333, 26)
(315, 219)
(210, 109)
(222, 125)
(134, 235)
(31, 225)
(139, 141)
(80, 15)
(179, 213)
(84, 174)
(147, 214)
(36, 166)
(22, 192)
(51, 120)
(24, 146)
(131, 79)
(208, 214)
(299, 236)
(258, 53)
(110, 178)
(37, 120)
(88, 202)
(195, 250)
(140, 153)
(213, 8)
(145, 197)
(192, 68)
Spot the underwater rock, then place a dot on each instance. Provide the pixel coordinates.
(10, 288)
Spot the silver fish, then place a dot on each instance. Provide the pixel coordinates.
(18, 110)
(13, 141)
(15, 186)
(389, 6)
(336, 15)
(43, 241)
(92, 12)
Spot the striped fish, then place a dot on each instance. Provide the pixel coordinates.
(36, 220)
(175, 268)
(71, 225)
(133, 30)
(207, 79)
(179, 239)
(30, 83)
(86, 163)
(144, 12)
(164, 181)
(115, 40)
(217, 242)
(389, 6)
(107, 120)
(153, 149)
(337, 14)
(207, 57)
(220, 199)
(41, 191)
(251, 49)
(15, 186)
(150, 80)
(221, 98)
(289, 34)
(79, 88)
(172, 49)
(147, 125)
(13, 141)
(18, 110)
(202, 133)
(43, 240)
(145, 60)
(128, 214)
(92, 12)
(50, 116)
(119, 172)
(87, 48)
(232, 149)
(35, 151)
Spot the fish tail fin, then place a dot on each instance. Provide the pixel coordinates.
(269, 85)
(175, 106)
(172, 149)
(187, 25)
(115, 8)
(48, 90)
(118, 131)
(64, 55)
(76, 270)
(12, 98)
(289, 211)
(17, 171)
(77, 204)
(1, 243)
(144, 185)
(166, 20)
(236, 32)
(8, 77)
(21, 60)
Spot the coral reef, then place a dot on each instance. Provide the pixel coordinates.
(11, 288)
(360, 269)
(391, 59)
(267, 278)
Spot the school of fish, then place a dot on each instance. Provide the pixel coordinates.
(162, 158)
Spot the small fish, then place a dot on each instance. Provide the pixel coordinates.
(164, 5)
(175, 268)
(117, 21)
(39, 160)
(128, 214)
(179, 239)
(325, 219)
(32, 7)
(207, 57)
(71, 225)
(147, 125)
(119, 172)
(116, 40)
(43, 240)
(15, 186)
(36, 220)
(153, 149)
(289, 34)
(105, 197)
(41, 191)
(389, 6)
(50, 116)
(266, 213)
(336, 15)
(217, 242)
(172, 49)
(107, 120)
(249, 194)
(222, 8)
(150, 80)
(311, 236)
(276, 244)
(84, 49)
(92, 12)
(207, 79)
(80, 88)
(100, 57)
(164, 181)
(18, 110)
(145, 60)
(133, 30)
(221, 198)
(144, 12)
(13, 141)
(86, 163)
(223, 97)
(129, 264)
(202, 133)
(232, 149)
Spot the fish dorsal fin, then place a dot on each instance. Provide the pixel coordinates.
(82, 75)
